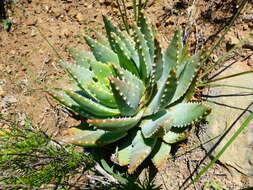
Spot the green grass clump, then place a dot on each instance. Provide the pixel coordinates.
(30, 158)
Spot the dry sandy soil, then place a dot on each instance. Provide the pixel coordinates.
(27, 61)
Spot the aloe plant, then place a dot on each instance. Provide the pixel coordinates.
(132, 92)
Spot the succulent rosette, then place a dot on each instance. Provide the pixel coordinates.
(133, 93)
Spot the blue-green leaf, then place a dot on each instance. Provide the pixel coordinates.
(90, 138)
(186, 77)
(141, 149)
(147, 31)
(144, 55)
(155, 125)
(175, 135)
(114, 124)
(127, 101)
(172, 55)
(65, 100)
(91, 106)
(124, 55)
(102, 95)
(164, 94)
(80, 55)
(160, 154)
(101, 52)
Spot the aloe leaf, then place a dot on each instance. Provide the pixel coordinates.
(127, 101)
(124, 55)
(164, 94)
(125, 38)
(101, 52)
(155, 124)
(189, 95)
(123, 155)
(175, 135)
(101, 70)
(77, 73)
(119, 44)
(91, 106)
(160, 154)
(84, 78)
(140, 151)
(89, 138)
(125, 147)
(153, 106)
(124, 151)
(110, 28)
(65, 100)
(186, 77)
(147, 32)
(156, 73)
(130, 45)
(102, 39)
(79, 55)
(184, 114)
(181, 115)
(144, 55)
(116, 123)
(169, 89)
(183, 59)
(173, 54)
(127, 76)
(102, 95)
(158, 61)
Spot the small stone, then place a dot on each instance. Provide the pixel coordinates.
(66, 32)
(47, 59)
(101, 1)
(80, 18)
(8, 69)
(2, 92)
(31, 21)
(33, 33)
(13, 52)
(47, 8)
(89, 6)
(10, 99)
(2, 67)
(245, 27)
(22, 123)
(57, 11)
(72, 12)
